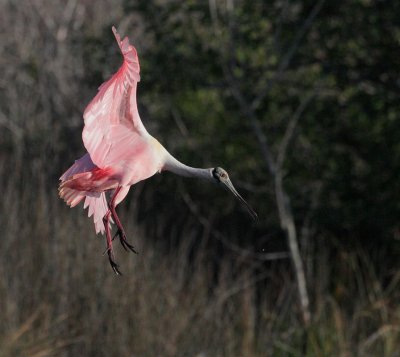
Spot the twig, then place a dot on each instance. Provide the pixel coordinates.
(244, 253)
(249, 113)
(291, 128)
(289, 54)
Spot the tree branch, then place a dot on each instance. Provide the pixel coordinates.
(249, 113)
(291, 128)
(248, 109)
(289, 54)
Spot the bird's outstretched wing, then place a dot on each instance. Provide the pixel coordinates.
(112, 122)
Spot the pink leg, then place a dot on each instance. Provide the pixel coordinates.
(120, 230)
(114, 266)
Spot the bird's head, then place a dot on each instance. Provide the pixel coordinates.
(222, 177)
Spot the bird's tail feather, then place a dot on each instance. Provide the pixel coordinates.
(96, 202)
(98, 208)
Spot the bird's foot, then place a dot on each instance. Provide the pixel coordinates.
(113, 264)
(124, 242)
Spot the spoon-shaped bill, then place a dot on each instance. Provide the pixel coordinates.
(228, 184)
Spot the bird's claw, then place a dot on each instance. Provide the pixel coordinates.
(113, 264)
(124, 242)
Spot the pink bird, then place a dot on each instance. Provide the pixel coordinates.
(120, 153)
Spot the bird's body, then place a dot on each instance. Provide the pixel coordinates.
(120, 152)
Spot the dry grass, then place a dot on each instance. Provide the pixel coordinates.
(58, 295)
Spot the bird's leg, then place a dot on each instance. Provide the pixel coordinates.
(121, 233)
(120, 230)
(114, 266)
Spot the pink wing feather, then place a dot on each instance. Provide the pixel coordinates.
(112, 122)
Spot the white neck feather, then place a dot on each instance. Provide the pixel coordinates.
(173, 165)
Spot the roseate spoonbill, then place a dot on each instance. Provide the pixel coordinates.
(120, 153)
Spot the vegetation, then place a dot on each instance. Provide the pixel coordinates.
(298, 100)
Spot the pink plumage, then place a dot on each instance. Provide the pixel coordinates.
(120, 152)
(95, 201)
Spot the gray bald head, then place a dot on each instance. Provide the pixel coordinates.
(221, 176)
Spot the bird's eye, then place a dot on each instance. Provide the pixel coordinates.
(219, 174)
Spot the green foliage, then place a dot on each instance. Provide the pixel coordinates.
(345, 141)
(340, 171)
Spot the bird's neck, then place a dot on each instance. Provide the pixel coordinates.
(178, 168)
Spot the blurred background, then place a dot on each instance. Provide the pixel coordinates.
(298, 100)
